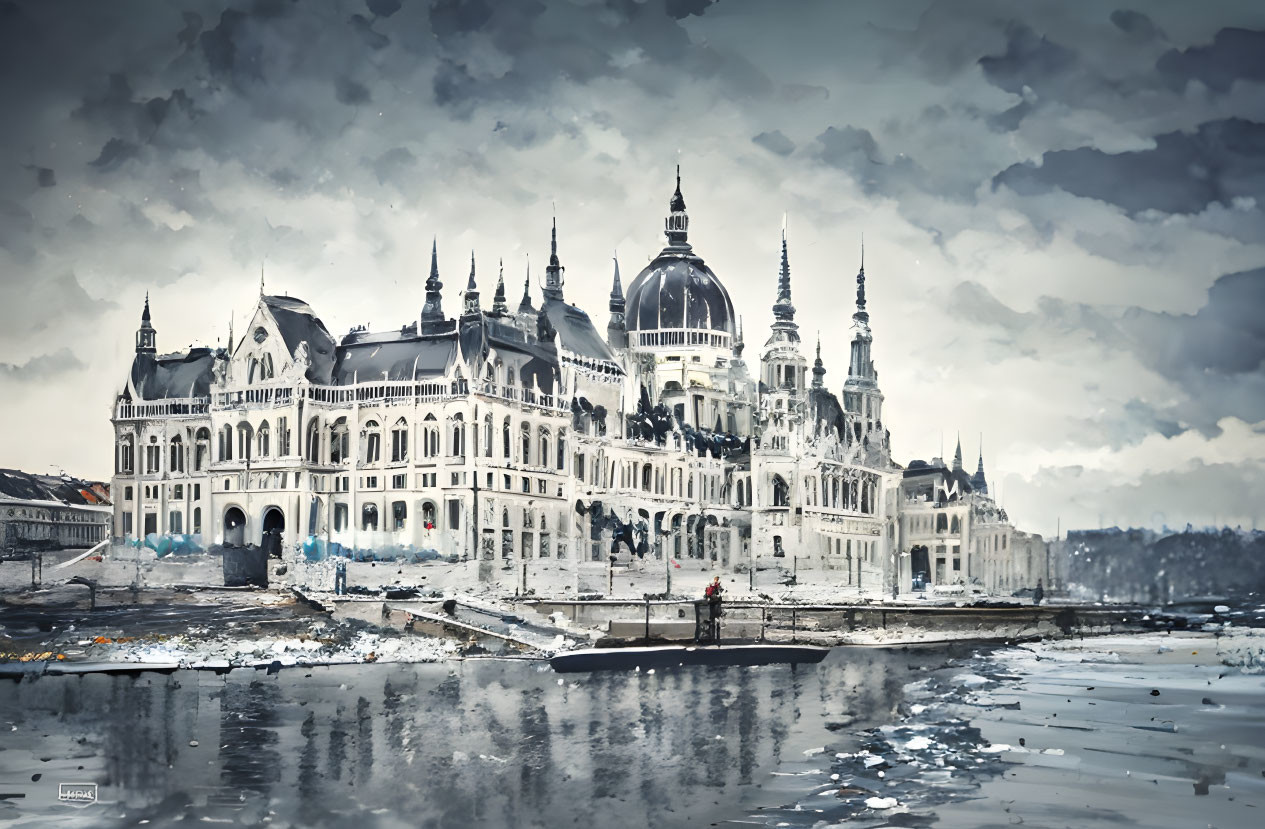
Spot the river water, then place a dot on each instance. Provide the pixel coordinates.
(916, 737)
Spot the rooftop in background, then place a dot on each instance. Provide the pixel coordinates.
(16, 485)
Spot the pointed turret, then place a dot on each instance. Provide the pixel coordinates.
(555, 274)
(861, 394)
(499, 306)
(471, 299)
(677, 224)
(433, 310)
(525, 306)
(146, 335)
(861, 315)
(978, 482)
(957, 456)
(616, 329)
(819, 368)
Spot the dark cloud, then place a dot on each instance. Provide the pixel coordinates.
(775, 142)
(1184, 173)
(383, 8)
(43, 368)
(1030, 60)
(351, 92)
(451, 17)
(1234, 54)
(43, 175)
(856, 152)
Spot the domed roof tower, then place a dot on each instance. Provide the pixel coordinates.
(676, 300)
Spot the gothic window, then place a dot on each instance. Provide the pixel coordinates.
(526, 443)
(562, 449)
(689, 486)
(509, 376)
(430, 436)
(197, 520)
(781, 494)
(399, 514)
(505, 517)
(458, 446)
(252, 372)
(266, 372)
(201, 448)
(369, 517)
(127, 454)
(487, 432)
(955, 526)
(505, 439)
(428, 516)
(176, 450)
(544, 446)
(245, 435)
(262, 439)
(340, 517)
(313, 441)
(646, 477)
(226, 443)
(942, 523)
(153, 459)
(283, 438)
(339, 441)
(399, 441)
(373, 442)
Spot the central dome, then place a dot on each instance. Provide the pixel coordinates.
(676, 299)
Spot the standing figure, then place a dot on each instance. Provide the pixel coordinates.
(1038, 594)
(713, 594)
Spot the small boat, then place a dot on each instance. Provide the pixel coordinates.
(671, 656)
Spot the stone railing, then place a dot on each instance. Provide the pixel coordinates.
(171, 407)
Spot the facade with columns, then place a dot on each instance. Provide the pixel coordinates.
(517, 436)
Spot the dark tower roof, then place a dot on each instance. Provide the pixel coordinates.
(499, 305)
(819, 368)
(145, 313)
(433, 309)
(861, 314)
(617, 290)
(525, 305)
(554, 278)
(783, 310)
(957, 456)
(978, 482)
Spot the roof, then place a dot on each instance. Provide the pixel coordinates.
(825, 406)
(187, 374)
(534, 362)
(298, 323)
(676, 290)
(402, 359)
(23, 486)
(576, 333)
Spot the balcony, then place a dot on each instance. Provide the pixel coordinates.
(171, 407)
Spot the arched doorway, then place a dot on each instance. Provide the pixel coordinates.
(274, 524)
(234, 527)
(920, 567)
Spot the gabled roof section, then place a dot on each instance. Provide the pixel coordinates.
(576, 333)
(401, 359)
(298, 323)
(186, 374)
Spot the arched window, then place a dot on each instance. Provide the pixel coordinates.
(781, 493)
(509, 376)
(201, 449)
(505, 439)
(399, 441)
(245, 437)
(372, 441)
(252, 372)
(525, 431)
(262, 439)
(646, 473)
(265, 371)
(544, 446)
(339, 441)
(562, 449)
(226, 443)
(458, 446)
(428, 515)
(127, 454)
(942, 522)
(176, 450)
(430, 436)
(505, 517)
(369, 517)
(487, 431)
(313, 441)
(689, 485)
(954, 526)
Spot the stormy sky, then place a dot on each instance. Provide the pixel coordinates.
(1063, 204)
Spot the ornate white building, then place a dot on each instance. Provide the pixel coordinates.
(519, 436)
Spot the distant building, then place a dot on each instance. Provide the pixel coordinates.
(521, 435)
(50, 512)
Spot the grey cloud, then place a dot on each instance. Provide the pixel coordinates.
(1030, 60)
(1184, 173)
(1234, 54)
(351, 92)
(856, 152)
(383, 8)
(775, 142)
(1135, 23)
(393, 164)
(43, 175)
(372, 38)
(43, 368)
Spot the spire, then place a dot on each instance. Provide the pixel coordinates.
(819, 368)
(470, 305)
(957, 455)
(677, 224)
(261, 278)
(783, 310)
(978, 482)
(555, 273)
(616, 330)
(861, 314)
(525, 305)
(433, 310)
(146, 336)
(499, 306)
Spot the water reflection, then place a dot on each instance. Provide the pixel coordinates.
(479, 743)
